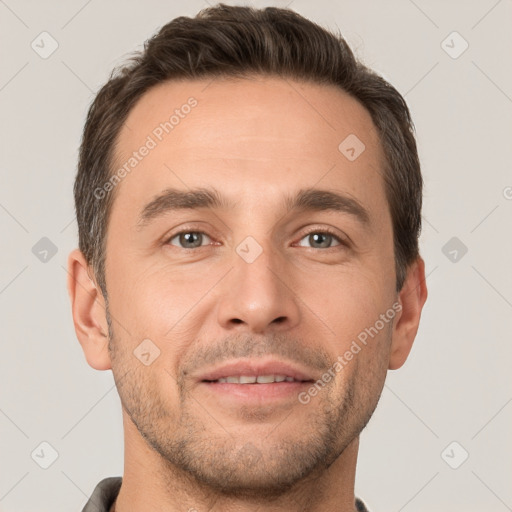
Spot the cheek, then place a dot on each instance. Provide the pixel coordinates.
(157, 299)
(147, 391)
(346, 300)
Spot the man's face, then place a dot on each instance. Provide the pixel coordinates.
(254, 286)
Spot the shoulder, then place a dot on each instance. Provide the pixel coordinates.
(104, 495)
(360, 506)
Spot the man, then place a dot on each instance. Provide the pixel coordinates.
(249, 204)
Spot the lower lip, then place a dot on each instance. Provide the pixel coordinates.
(257, 392)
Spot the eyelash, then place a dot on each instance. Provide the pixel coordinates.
(323, 231)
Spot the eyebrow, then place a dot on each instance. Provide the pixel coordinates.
(309, 199)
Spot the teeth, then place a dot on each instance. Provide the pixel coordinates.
(244, 379)
(265, 379)
(253, 379)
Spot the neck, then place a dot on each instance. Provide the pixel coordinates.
(151, 484)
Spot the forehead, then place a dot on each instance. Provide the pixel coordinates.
(245, 137)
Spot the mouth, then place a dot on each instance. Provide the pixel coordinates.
(256, 381)
(257, 371)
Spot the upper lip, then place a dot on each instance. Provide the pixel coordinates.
(256, 367)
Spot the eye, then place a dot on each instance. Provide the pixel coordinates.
(321, 240)
(189, 239)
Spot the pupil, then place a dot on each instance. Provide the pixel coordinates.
(189, 238)
(317, 237)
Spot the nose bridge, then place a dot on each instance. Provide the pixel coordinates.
(256, 293)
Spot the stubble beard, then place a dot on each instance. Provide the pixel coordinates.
(232, 465)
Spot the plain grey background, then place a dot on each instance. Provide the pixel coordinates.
(452, 398)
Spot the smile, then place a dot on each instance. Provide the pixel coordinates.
(254, 379)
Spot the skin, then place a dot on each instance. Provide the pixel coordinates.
(255, 140)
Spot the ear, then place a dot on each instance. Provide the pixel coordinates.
(412, 297)
(89, 314)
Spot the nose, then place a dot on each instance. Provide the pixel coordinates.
(258, 296)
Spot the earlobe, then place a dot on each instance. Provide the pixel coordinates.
(412, 298)
(88, 310)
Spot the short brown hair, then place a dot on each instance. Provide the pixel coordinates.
(235, 41)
